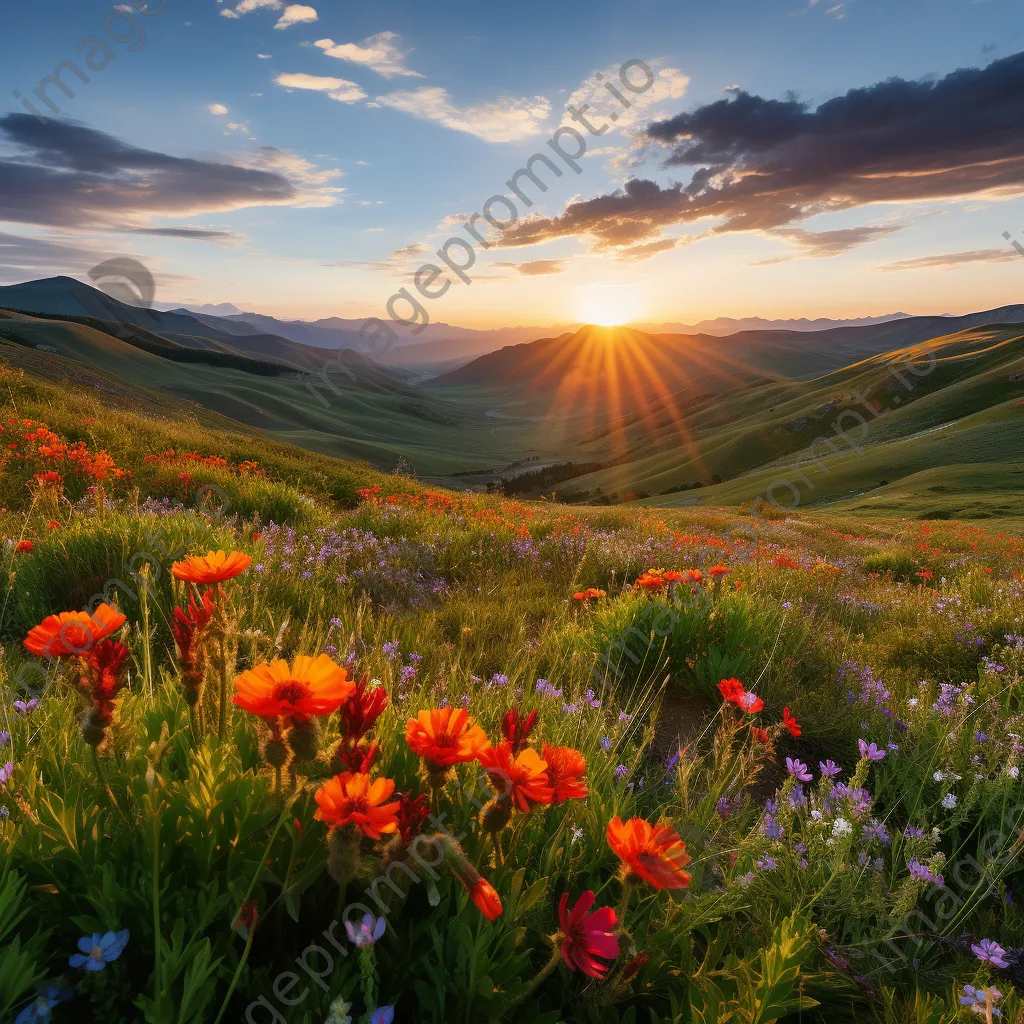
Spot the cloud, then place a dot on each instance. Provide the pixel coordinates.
(248, 6)
(217, 109)
(761, 164)
(669, 84)
(264, 56)
(635, 253)
(410, 251)
(379, 53)
(295, 14)
(954, 259)
(818, 244)
(22, 256)
(504, 120)
(536, 268)
(339, 89)
(65, 174)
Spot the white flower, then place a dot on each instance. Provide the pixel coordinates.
(577, 834)
(938, 776)
(816, 815)
(913, 702)
(1013, 771)
(841, 827)
(949, 801)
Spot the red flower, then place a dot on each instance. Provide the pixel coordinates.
(412, 812)
(586, 936)
(696, 576)
(760, 735)
(358, 759)
(590, 594)
(735, 693)
(791, 723)
(188, 624)
(23, 547)
(353, 798)
(517, 729)
(717, 571)
(363, 707)
(101, 676)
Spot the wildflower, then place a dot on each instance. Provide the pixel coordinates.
(100, 678)
(72, 633)
(187, 628)
(606, 744)
(517, 729)
(716, 572)
(364, 705)
(791, 723)
(798, 770)
(870, 751)
(25, 707)
(978, 1000)
(481, 892)
(590, 594)
(949, 801)
(921, 871)
(760, 735)
(621, 771)
(519, 779)
(841, 827)
(577, 835)
(6, 771)
(771, 828)
(545, 689)
(566, 766)
(40, 1010)
(368, 932)
(768, 864)
(586, 936)
(96, 951)
(308, 687)
(390, 649)
(353, 798)
(23, 547)
(733, 691)
(445, 737)
(990, 952)
(654, 854)
(412, 812)
(829, 768)
(338, 1012)
(382, 1015)
(939, 776)
(624, 719)
(723, 807)
(5, 738)
(213, 567)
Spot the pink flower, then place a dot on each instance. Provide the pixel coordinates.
(585, 936)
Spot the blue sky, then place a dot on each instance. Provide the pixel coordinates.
(378, 127)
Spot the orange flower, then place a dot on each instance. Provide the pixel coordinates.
(353, 798)
(486, 898)
(309, 686)
(213, 567)
(672, 576)
(650, 579)
(696, 576)
(590, 594)
(53, 525)
(445, 736)
(72, 633)
(657, 855)
(521, 778)
(23, 547)
(565, 773)
(717, 571)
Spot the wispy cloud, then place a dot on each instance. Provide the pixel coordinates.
(953, 259)
(379, 53)
(339, 89)
(503, 120)
(536, 268)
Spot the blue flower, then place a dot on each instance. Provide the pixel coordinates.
(382, 1015)
(40, 1010)
(368, 932)
(99, 950)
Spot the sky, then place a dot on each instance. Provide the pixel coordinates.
(778, 158)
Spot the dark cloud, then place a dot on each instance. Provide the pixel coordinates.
(22, 256)
(67, 175)
(834, 243)
(954, 259)
(765, 164)
(198, 234)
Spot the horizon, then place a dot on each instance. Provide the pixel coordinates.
(313, 160)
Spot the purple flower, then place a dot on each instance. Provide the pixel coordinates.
(621, 771)
(96, 951)
(606, 744)
(545, 689)
(390, 649)
(6, 771)
(829, 768)
(798, 770)
(977, 999)
(768, 864)
(870, 751)
(367, 933)
(919, 870)
(723, 808)
(382, 1015)
(499, 679)
(23, 707)
(5, 737)
(990, 952)
(772, 829)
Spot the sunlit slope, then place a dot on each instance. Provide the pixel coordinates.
(897, 395)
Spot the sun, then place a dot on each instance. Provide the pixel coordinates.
(607, 305)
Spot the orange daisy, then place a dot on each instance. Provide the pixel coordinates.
(213, 567)
(71, 633)
(656, 855)
(445, 736)
(353, 798)
(565, 773)
(521, 778)
(307, 687)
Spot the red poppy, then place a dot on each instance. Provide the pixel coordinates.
(791, 723)
(565, 773)
(734, 693)
(517, 729)
(656, 855)
(23, 547)
(586, 936)
(672, 576)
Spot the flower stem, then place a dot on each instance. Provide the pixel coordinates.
(222, 718)
(627, 893)
(543, 976)
(158, 983)
(104, 785)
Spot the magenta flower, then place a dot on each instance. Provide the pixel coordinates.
(798, 770)
(870, 751)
